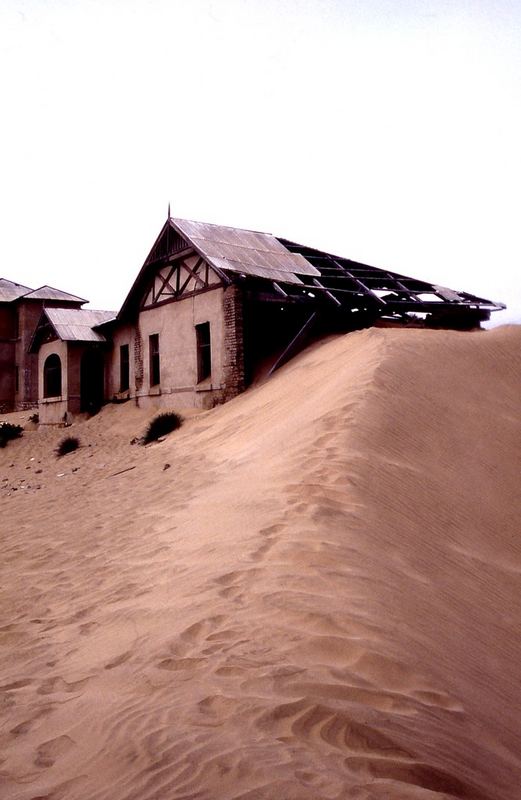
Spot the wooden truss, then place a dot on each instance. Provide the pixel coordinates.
(352, 285)
(180, 278)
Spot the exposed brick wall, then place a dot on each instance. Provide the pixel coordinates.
(29, 313)
(7, 376)
(138, 359)
(233, 304)
(25, 406)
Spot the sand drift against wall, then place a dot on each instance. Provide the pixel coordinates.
(320, 598)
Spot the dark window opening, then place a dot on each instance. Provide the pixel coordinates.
(153, 345)
(204, 351)
(52, 376)
(124, 368)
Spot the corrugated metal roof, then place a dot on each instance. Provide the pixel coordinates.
(77, 324)
(50, 293)
(10, 291)
(243, 251)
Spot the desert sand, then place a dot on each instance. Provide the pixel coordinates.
(319, 597)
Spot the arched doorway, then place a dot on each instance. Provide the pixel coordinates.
(91, 381)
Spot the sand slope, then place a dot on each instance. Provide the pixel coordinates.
(319, 598)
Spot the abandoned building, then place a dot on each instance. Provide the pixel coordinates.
(20, 310)
(212, 308)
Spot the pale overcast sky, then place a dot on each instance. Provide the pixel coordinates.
(387, 131)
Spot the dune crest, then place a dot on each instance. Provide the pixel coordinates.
(320, 598)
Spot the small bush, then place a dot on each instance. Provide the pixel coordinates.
(161, 425)
(9, 431)
(35, 418)
(67, 445)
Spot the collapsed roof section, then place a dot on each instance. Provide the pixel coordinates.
(286, 271)
(351, 285)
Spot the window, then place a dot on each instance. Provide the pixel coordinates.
(204, 351)
(52, 376)
(153, 349)
(124, 368)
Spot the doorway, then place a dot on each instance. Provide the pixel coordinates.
(91, 381)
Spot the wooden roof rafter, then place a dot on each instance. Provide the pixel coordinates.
(388, 289)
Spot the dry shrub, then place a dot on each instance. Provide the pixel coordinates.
(67, 445)
(9, 431)
(161, 425)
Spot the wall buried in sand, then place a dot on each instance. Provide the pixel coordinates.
(175, 324)
(52, 409)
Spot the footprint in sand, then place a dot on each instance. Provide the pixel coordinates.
(87, 627)
(119, 660)
(233, 583)
(174, 664)
(58, 684)
(270, 536)
(49, 751)
(232, 593)
(200, 630)
(25, 726)
(9, 687)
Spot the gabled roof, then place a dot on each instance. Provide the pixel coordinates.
(71, 325)
(10, 291)
(299, 272)
(244, 252)
(77, 324)
(50, 293)
(231, 252)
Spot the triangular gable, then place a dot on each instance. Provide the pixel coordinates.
(173, 269)
(168, 243)
(186, 275)
(44, 332)
(50, 293)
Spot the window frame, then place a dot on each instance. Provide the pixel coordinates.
(204, 351)
(124, 367)
(154, 360)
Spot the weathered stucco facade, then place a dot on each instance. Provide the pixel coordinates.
(175, 326)
(52, 410)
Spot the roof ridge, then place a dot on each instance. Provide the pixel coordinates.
(218, 225)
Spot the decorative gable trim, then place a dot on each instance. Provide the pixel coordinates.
(168, 243)
(184, 277)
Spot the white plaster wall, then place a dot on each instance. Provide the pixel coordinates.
(122, 335)
(175, 323)
(52, 410)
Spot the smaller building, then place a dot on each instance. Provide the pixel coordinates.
(20, 310)
(72, 356)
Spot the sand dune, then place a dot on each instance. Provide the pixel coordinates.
(318, 598)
